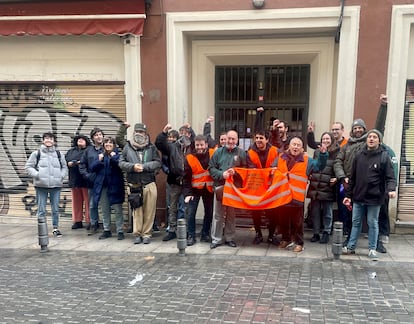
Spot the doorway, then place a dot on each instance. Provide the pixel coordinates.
(282, 90)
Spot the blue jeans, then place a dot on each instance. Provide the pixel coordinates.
(106, 212)
(358, 213)
(93, 211)
(344, 214)
(54, 197)
(321, 208)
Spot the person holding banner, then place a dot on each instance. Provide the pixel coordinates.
(261, 155)
(221, 168)
(197, 183)
(298, 166)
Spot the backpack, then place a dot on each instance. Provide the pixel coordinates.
(58, 155)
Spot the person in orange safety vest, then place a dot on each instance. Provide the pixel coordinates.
(261, 155)
(298, 166)
(197, 183)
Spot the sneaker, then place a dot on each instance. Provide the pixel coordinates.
(272, 239)
(105, 235)
(347, 251)
(325, 238)
(93, 229)
(169, 236)
(190, 240)
(258, 239)
(315, 238)
(77, 225)
(381, 248)
(138, 240)
(56, 233)
(155, 228)
(385, 239)
(373, 255)
(345, 243)
(205, 238)
(146, 240)
(121, 236)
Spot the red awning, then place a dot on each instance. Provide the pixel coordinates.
(79, 17)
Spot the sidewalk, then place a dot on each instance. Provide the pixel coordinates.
(24, 236)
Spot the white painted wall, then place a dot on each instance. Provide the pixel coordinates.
(410, 70)
(191, 61)
(62, 58)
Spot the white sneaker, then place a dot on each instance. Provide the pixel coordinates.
(385, 239)
(373, 255)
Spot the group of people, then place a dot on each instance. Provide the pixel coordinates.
(356, 172)
(360, 176)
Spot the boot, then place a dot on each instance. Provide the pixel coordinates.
(258, 239)
(315, 238)
(325, 238)
(77, 225)
(381, 248)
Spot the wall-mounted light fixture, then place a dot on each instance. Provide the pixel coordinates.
(258, 4)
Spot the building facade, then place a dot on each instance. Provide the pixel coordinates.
(174, 61)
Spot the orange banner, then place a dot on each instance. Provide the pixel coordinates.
(257, 189)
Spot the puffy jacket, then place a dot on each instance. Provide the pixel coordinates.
(76, 180)
(320, 186)
(151, 162)
(49, 172)
(108, 174)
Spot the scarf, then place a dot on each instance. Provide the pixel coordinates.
(139, 141)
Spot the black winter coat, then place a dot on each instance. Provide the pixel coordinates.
(372, 177)
(320, 187)
(76, 180)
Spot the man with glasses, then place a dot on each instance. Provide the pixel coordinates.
(337, 131)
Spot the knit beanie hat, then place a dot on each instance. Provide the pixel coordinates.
(376, 131)
(359, 122)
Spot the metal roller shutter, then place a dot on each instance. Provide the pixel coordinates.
(406, 185)
(29, 109)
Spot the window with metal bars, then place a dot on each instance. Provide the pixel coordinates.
(282, 90)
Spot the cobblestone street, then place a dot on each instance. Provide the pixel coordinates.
(127, 287)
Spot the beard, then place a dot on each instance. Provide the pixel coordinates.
(141, 140)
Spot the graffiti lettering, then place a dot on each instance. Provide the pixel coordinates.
(20, 134)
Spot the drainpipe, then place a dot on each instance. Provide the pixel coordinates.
(338, 28)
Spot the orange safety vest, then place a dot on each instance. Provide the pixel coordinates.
(200, 177)
(344, 141)
(298, 179)
(260, 189)
(271, 156)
